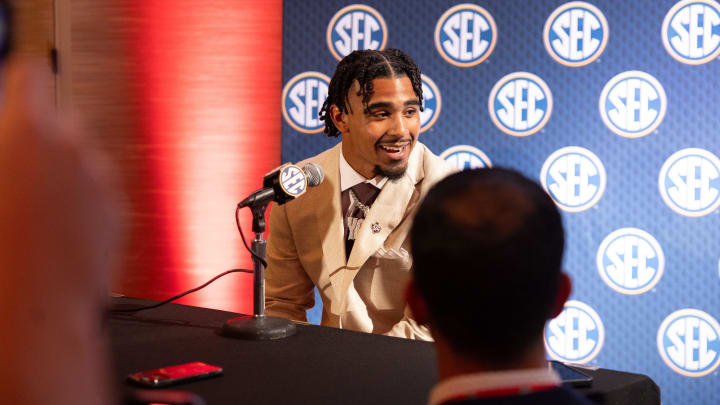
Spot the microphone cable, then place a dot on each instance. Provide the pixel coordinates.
(254, 255)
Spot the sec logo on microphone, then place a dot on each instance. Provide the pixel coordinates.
(574, 177)
(520, 104)
(632, 104)
(691, 31)
(356, 27)
(302, 99)
(432, 103)
(293, 181)
(689, 182)
(576, 335)
(466, 157)
(630, 261)
(576, 33)
(465, 35)
(689, 342)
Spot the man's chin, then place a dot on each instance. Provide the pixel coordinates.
(393, 173)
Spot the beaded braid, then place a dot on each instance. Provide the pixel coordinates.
(365, 66)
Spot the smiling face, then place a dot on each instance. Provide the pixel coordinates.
(378, 141)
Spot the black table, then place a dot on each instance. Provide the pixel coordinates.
(318, 365)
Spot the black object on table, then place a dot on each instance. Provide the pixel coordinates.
(318, 365)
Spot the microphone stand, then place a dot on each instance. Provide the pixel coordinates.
(258, 326)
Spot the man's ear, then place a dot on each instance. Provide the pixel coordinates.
(339, 118)
(417, 304)
(562, 295)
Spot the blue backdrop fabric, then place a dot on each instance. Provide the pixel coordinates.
(611, 106)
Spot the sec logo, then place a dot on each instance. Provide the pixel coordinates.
(292, 180)
(576, 33)
(465, 35)
(632, 104)
(302, 99)
(574, 177)
(432, 103)
(689, 342)
(630, 261)
(356, 27)
(576, 335)
(691, 31)
(689, 182)
(520, 104)
(466, 157)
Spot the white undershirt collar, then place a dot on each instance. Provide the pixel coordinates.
(349, 177)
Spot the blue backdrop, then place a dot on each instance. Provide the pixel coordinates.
(611, 105)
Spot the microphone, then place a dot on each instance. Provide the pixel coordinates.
(285, 183)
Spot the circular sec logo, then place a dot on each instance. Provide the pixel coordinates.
(520, 104)
(292, 180)
(630, 261)
(466, 157)
(356, 27)
(691, 31)
(302, 99)
(689, 342)
(576, 33)
(574, 177)
(690, 182)
(576, 335)
(432, 103)
(465, 35)
(632, 104)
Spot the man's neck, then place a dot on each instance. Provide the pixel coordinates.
(367, 172)
(451, 364)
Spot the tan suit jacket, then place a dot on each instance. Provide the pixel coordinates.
(306, 248)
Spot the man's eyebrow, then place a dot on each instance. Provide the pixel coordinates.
(382, 104)
(385, 104)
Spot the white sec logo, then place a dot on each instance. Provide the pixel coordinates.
(689, 342)
(630, 261)
(356, 27)
(689, 182)
(574, 177)
(432, 103)
(302, 99)
(520, 104)
(632, 104)
(690, 31)
(576, 33)
(576, 335)
(465, 35)
(292, 180)
(466, 157)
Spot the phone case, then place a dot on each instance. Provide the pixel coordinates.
(180, 373)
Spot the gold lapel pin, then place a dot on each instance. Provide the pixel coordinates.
(375, 227)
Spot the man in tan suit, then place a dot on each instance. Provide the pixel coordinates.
(348, 236)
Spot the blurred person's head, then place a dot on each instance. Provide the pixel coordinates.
(487, 247)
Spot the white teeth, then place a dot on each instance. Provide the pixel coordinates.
(391, 150)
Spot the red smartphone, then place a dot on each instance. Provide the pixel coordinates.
(165, 376)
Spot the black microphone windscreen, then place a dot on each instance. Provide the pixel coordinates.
(314, 174)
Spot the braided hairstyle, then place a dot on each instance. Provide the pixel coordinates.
(365, 66)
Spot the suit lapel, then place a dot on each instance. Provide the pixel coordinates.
(388, 210)
(328, 222)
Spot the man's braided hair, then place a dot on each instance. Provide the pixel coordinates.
(365, 66)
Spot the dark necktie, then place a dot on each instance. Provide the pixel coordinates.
(354, 210)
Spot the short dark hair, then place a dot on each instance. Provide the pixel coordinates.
(487, 248)
(365, 66)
